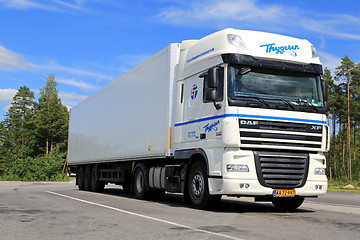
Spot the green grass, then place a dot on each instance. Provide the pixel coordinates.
(337, 186)
(338, 189)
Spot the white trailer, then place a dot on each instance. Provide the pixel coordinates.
(130, 118)
(238, 113)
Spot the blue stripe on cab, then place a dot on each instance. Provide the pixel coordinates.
(250, 116)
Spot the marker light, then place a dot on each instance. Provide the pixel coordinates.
(319, 171)
(237, 168)
(313, 52)
(236, 41)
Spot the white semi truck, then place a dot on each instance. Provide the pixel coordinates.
(236, 113)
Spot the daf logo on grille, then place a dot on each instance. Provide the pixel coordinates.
(315, 127)
(246, 122)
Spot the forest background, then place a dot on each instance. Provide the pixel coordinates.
(33, 135)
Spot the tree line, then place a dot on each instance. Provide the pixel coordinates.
(344, 118)
(33, 136)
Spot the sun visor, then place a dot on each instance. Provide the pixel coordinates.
(280, 65)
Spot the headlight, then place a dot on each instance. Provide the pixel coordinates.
(319, 171)
(236, 41)
(237, 168)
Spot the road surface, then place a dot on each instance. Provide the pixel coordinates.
(61, 211)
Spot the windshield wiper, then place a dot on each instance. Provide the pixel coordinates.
(285, 101)
(308, 104)
(257, 98)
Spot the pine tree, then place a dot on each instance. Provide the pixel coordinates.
(17, 128)
(52, 117)
(331, 98)
(344, 73)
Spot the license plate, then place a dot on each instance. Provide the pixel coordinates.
(284, 193)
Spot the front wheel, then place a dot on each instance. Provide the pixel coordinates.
(287, 204)
(198, 189)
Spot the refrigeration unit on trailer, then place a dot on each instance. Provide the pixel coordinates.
(237, 113)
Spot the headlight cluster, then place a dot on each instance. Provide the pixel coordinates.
(236, 41)
(237, 168)
(319, 171)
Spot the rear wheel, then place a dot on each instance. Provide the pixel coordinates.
(287, 203)
(140, 188)
(96, 185)
(87, 178)
(80, 178)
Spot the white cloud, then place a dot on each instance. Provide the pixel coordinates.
(80, 84)
(76, 6)
(66, 96)
(6, 95)
(6, 108)
(11, 60)
(132, 60)
(215, 11)
(329, 61)
(53, 5)
(27, 4)
(53, 66)
(337, 25)
(250, 13)
(125, 62)
(70, 98)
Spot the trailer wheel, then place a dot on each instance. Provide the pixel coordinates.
(287, 204)
(197, 186)
(87, 178)
(96, 185)
(80, 178)
(140, 188)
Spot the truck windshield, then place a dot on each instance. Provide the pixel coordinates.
(268, 88)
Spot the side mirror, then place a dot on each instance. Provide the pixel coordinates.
(212, 78)
(324, 87)
(326, 107)
(212, 95)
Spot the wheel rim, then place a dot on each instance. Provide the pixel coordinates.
(198, 185)
(139, 182)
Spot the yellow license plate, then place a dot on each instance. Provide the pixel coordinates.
(284, 193)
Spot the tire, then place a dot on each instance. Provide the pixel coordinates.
(87, 178)
(96, 185)
(80, 178)
(197, 187)
(140, 183)
(287, 204)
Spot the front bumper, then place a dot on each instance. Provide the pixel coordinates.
(247, 183)
(237, 187)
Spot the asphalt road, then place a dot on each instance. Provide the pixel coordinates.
(61, 211)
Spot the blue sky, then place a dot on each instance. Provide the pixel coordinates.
(89, 43)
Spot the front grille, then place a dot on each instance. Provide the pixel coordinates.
(281, 170)
(281, 135)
